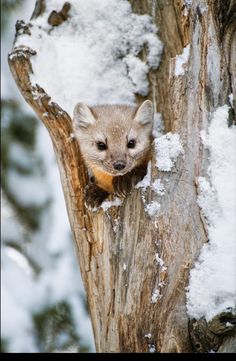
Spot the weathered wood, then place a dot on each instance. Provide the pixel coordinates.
(217, 333)
(116, 248)
(57, 18)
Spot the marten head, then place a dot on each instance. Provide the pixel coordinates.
(114, 138)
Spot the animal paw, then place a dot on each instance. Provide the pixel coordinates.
(94, 196)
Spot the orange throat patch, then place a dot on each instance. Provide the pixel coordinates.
(103, 179)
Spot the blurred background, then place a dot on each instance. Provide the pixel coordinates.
(43, 304)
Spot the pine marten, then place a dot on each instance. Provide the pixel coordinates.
(115, 143)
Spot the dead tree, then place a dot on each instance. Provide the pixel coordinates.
(119, 299)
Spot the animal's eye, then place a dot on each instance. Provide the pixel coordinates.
(131, 143)
(101, 146)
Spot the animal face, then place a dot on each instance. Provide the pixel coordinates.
(114, 138)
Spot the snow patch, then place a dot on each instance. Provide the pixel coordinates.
(117, 202)
(155, 296)
(20, 260)
(158, 187)
(181, 60)
(151, 348)
(138, 71)
(158, 126)
(203, 7)
(231, 99)
(146, 181)
(207, 200)
(161, 284)
(167, 147)
(159, 260)
(93, 56)
(188, 3)
(32, 193)
(152, 208)
(212, 286)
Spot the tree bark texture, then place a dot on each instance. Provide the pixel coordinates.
(119, 296)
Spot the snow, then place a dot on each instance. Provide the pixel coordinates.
(138, 73)
(159, 260)
(117, 202)
(168, 147)
(9, 87)
(146, 181)
(155, 296)
(158, 126)
(32, 193)
(16, 293)
(231, 99)
(11, 229)
(203, 7)
(212, 286)
(152, 208)
(20, 156)
(23, 291)
(158, 187)
(188, 3)
(19, 259)
(207, 201)
(101, 40)
(181, 60)
(148, 335)
(152, 348)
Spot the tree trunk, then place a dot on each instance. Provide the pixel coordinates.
(116, 248)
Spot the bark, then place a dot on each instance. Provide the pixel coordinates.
(120, 299)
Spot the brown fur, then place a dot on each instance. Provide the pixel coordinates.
(114, 126)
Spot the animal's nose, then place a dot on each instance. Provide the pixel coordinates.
(119, 165)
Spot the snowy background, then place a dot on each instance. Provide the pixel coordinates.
(42, 297)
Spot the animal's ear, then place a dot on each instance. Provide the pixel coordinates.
(82, 116)
(145, 113)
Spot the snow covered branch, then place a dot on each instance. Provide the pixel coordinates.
(59, 126)
(50, 113)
